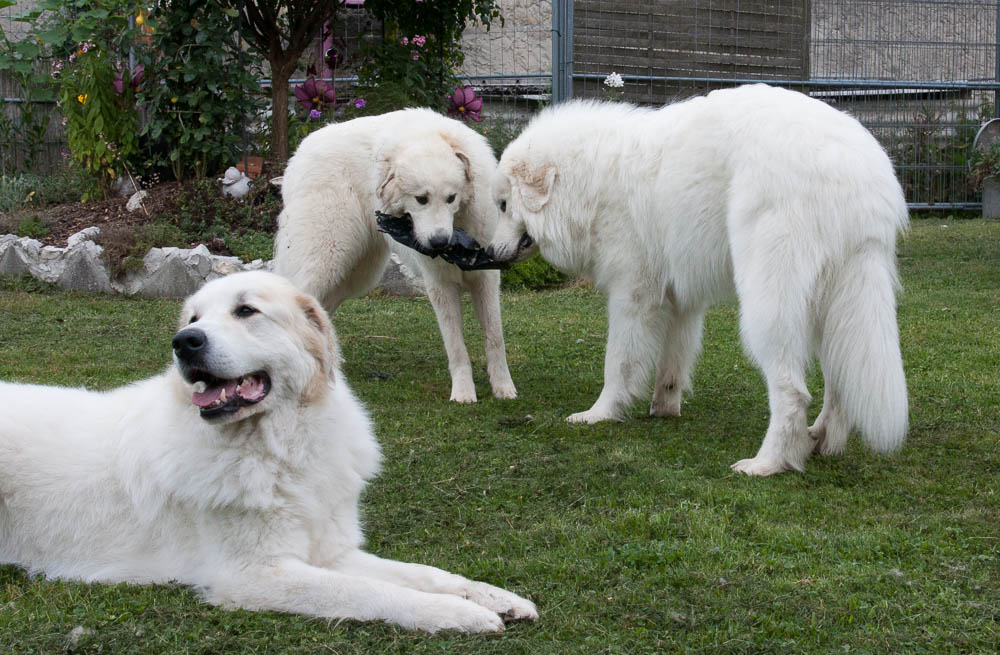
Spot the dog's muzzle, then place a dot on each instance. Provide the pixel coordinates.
(523, 244)
(215, 396)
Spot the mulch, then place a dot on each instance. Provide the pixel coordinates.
(68, 219)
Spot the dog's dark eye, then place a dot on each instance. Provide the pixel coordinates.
(423, 200)
(451, 198)
(503, 206)
(245, 310)
(193, 319)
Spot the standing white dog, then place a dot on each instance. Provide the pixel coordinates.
(412, 161)
(756, 190)
(237, 471)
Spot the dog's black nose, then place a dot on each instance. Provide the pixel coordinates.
(189, 342)
(439, 240)
(489, 252)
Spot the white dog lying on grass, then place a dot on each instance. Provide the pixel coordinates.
(755, 191)
(237, 471)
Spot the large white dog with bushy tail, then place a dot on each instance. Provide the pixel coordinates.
(756, 190)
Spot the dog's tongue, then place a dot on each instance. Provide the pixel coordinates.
(211, 394)
(252, 388)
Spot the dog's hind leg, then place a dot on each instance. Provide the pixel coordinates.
(681, 346)
(484, 287)
(334, 255)
(446, 299)
(294, 586)
(428, 578)
(774, 286)
(829, 431)
(635, 323)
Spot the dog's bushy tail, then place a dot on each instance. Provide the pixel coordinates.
(859, 348)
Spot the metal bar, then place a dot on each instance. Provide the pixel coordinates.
(996, 63)
(562, 50)
(856, 84)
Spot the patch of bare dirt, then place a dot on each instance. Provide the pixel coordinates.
(66, 220)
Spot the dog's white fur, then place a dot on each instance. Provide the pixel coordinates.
(328, 242)
(257, 509)
(756, 190)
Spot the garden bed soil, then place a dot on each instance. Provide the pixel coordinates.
(68, 219)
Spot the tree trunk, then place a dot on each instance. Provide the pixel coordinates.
(280, 74)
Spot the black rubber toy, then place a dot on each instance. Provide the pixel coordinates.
(462, 250)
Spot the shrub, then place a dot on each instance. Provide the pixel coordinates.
(197, 92)
(126, 246)
(421, 49)
(203, 213)
(534, 273)
(32, 227)
(251, 245)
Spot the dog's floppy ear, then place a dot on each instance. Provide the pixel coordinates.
(322, 341)
(385, 183)
(459, 150)
(535, 184)
(465, 163)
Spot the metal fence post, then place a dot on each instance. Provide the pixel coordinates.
(562, 50)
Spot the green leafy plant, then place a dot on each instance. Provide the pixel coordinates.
(203, 214)
(32, 227)
(197, 92)
(22, 62)
(534, 273)
(251, 245)
(100, 124)
(85, 40)
(984, 163)
(421, 50)
(125, 246)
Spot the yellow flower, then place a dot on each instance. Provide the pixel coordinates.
(139, 19)
(82, 98)
(174, 99)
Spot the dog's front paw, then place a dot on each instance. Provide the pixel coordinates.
(463, 395)
(446, 612)
(590, 417)
(759, 466)
(509, 606)
(505, 391)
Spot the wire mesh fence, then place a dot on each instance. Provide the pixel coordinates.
(920, 74)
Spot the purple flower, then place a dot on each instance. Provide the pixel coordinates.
(465, 104)
(359, 103)
(314, 113)
(315, 94)
(138, 75)
(405, 41)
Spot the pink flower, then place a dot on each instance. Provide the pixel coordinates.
(405, 41)
(138, 75)
(419, 40)
(315, 94)
(465, 104)
(416, 57)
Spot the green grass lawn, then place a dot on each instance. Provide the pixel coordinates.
(631, 537)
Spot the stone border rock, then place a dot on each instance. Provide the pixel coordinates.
(166, 272)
